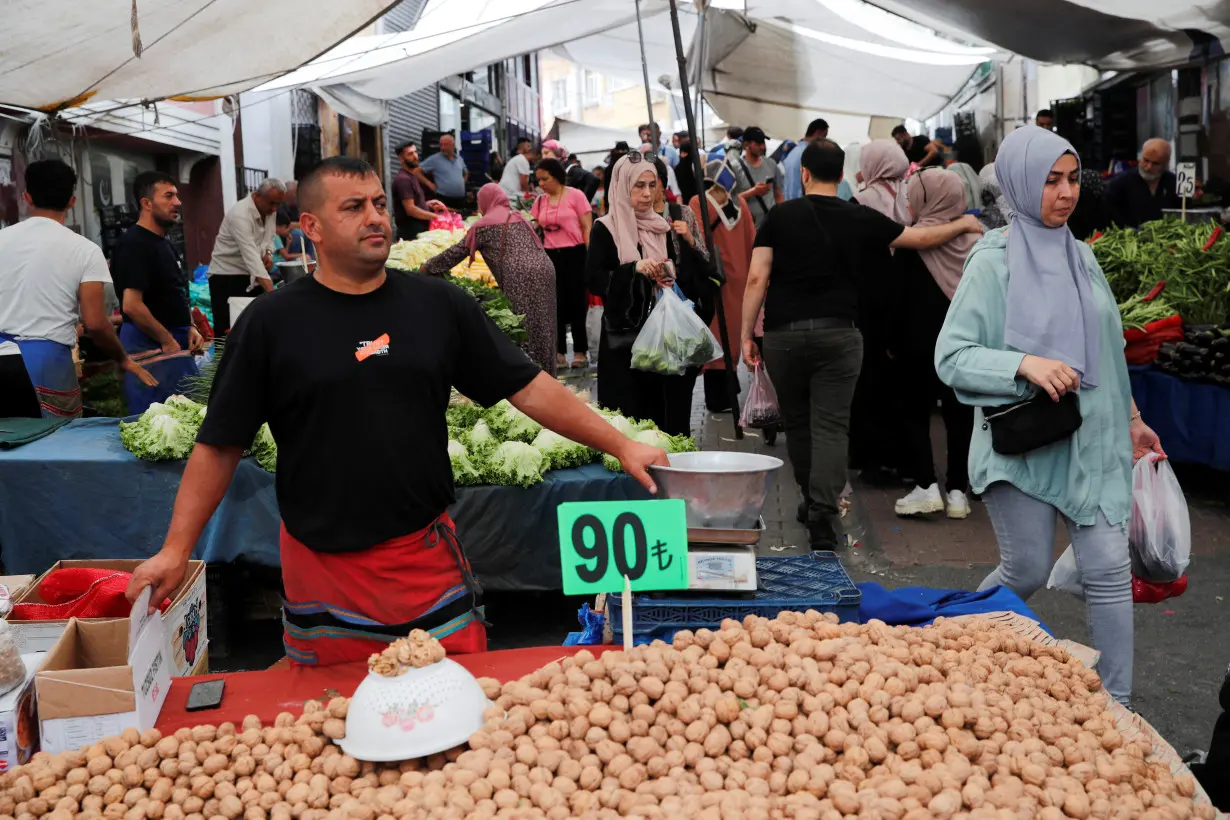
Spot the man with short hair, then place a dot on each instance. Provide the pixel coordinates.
(920, 150)
(813, 252)
(1045, 119)
(243, 251)
(412, 212)
(579, 178)
(352, 370)
(1135, 197)
(444, 174)
(153, 294)
(792, 166)
(756, 175)
(516, 177)
(734, 138)
(48, 273)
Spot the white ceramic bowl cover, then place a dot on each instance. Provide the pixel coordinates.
(422, 712)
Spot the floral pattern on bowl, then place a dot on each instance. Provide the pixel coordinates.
(407, 716)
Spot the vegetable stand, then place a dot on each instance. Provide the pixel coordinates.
(78, 493)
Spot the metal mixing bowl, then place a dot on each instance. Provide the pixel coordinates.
(722, 490)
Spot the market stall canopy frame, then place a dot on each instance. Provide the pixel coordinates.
(56, 55)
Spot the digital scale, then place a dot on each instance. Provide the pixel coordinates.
(723, 560)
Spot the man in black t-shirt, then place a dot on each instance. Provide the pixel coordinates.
(352, 368)
(814, 251)
(153, 293)
(921, 150)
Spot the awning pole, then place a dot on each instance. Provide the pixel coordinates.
(654, 132)
(698, 168)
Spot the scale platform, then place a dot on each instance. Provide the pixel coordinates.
(723, 560)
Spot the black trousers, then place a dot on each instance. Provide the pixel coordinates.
(571, 303)
(665, 400)
(17, 397)
(922, 389)
(221, 289)
(877, 437)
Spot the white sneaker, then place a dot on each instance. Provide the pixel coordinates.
(921, 502)
(958, 505)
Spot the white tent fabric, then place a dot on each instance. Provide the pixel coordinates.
(617, 53)
(56, 53)
(758, 68)
(1108, 34)
(590, 142)
(454, 36)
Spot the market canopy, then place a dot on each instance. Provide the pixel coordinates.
(57, 54)
(1107, 34)
(454, 36)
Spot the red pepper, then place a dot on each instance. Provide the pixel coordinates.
(1216, 235)
(1094, 238)
(1156, 292)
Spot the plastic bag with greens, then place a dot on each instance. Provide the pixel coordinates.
(673, 338)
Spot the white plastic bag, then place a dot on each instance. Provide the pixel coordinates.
(1065, 576)
(593, 330)
(1159, 530)
(12, 669)
(673, 338)
(761, 409)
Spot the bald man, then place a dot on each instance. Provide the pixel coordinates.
(1136, 197)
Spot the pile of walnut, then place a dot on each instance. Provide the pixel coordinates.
(792, 718)
(413, 652)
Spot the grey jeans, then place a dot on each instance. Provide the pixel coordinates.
(1025, 529)
(814, 373)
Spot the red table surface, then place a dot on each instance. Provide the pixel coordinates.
(271, 691)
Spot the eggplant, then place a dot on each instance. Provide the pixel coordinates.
(1221, 343)
(1203, 338)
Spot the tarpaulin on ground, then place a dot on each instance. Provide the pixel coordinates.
(79, 494)
(1191, 418)
(59, 53)
(1108, 34)
(918, 606)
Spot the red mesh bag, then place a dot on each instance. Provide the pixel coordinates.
(78, 592)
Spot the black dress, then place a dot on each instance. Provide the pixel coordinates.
(627, 299)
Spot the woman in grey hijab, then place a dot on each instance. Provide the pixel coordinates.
(1032, 317)
(994, 209)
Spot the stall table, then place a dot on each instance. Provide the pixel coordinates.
(1191, 418)
(284, 689)
(79, 494)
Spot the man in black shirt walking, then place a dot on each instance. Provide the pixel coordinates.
(153, 293)
(352, 369)
(814, 251)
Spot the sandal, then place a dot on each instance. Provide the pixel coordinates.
(580, 360)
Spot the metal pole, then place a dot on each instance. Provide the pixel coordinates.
(653, 125)
(698, 168)
(700, 71)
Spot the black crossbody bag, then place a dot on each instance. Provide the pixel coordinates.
(1025, 426)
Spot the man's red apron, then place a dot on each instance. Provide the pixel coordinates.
(343, 607)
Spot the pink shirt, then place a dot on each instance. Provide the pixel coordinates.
(561, 224)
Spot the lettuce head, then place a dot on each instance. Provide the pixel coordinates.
(561, 453)
(514, 464)
(480, 438)
(464, 471)
(158, 435)
(510, 423)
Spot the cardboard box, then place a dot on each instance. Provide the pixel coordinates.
(19, 718)
(102, 677)
(186, 623)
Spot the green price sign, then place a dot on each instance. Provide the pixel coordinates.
(602, 541)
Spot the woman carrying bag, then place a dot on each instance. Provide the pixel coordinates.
(634, 252)
(1034, 342)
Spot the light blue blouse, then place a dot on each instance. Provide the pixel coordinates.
(1080, 476)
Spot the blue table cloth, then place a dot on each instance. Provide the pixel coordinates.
(79, 494)
(919, 606)
(1191, 418)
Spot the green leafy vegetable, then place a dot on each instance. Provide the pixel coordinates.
(561, 453)
(464, 471)
(508, 422)
(162, 433)
(514, 464)
(265, 450)
(479, 439)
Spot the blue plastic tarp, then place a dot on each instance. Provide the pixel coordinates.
(79, 494)
(1191, 418)
(918, 606)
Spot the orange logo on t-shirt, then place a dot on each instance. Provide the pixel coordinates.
(376, 347)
